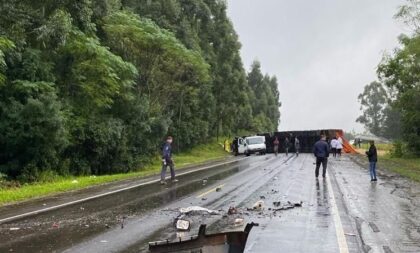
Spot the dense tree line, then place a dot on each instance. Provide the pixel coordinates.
(92, 86)
(392, 106)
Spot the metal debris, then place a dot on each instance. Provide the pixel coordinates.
(259, 205)
(287, 206)
(197, 209)
(221, 242)
(239, 221)
(122, 221)
(232, 210)
(182, 225)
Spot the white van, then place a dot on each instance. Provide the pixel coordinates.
(251, 145)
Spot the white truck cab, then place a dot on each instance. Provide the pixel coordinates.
(251, 145)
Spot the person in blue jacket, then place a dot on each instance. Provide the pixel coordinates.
(321, 151)
(167, 161)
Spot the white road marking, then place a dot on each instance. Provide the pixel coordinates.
(43, 210)
(341, 238)
(209, 191)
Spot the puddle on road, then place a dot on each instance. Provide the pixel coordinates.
(81, 221)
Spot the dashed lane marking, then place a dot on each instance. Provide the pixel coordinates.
(210, 191)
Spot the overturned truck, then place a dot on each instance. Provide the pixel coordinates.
(306, 138)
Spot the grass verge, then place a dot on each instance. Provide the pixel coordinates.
(198, 154)
(407, 167)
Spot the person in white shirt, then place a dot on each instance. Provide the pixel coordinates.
(339, 145)
(334, 146)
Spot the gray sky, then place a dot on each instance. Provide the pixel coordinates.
(323, 53)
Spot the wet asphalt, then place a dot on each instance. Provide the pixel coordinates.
(343, 213)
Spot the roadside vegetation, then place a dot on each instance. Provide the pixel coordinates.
(391, 105)
(392, 158)
(92, 87)
(12, 191)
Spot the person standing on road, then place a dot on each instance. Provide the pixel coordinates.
(286, 146)
(167, 161)
(334, 146)
(373, 159)
(321, 151)
(297, 146)
(339, 146)
(276, 144)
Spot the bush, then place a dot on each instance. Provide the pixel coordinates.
(32, 129)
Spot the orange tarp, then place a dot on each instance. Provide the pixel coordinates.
(347, 147)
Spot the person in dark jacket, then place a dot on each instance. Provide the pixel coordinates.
(373, 159)
(167, 161)
(286, 146)
(321, 151)
(276, 144)
(297, 146)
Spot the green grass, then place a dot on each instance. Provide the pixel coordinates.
(379, 146)
(407, 167)
(198, 154)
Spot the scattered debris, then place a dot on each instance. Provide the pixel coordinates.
(232, 210)
(183, 225)
(203, 241)
(259, 205)
(14, 229)
(107, 226)
(262, 197)
(276, 203)
(122, 221)
(203, 199)
(218, 189)
(82, 208)
(287, 206)
(55, 225)
(197, 209)
(298, 204)
(239, 222)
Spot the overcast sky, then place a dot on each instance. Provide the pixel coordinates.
(323, 53)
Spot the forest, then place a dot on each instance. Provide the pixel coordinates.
(92, 87)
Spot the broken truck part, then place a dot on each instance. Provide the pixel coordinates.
(227, 242)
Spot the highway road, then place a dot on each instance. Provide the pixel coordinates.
(344, 212)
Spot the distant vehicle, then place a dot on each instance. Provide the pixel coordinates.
(251, 145)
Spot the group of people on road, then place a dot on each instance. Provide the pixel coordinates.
(322, 148)
(336, 146)
(286, 145)
(321, 151)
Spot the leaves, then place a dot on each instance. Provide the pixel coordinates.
(92, 86)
